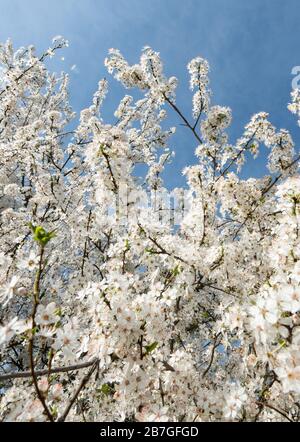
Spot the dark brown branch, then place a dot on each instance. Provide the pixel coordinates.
(85, 254)
(186, 123)
(36, 293)
(82, 384)
(110, 171)
(234, 159)
(165, 252)
(215, 345)
(265, 404)
(27, 374)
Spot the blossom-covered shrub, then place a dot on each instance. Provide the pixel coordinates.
(109, 312)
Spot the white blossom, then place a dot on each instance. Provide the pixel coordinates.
(182, 307)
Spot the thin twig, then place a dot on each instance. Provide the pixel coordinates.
(186, 123)
(82, 384)
(215, 345)
(265, 404)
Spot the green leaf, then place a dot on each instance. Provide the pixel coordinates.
(149, 348)
(150, 250)
(282, 342)
(41, 235)
(54, 410)
(106, 389)
(176, 270)
(34, 330)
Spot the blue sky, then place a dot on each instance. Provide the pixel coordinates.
(251, 46)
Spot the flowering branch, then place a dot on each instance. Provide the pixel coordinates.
(28, 374)
(36, 292)
(155, 302)
(265, 404)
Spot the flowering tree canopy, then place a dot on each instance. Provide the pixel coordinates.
(111, 310)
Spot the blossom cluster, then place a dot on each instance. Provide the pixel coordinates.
(106, 319)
